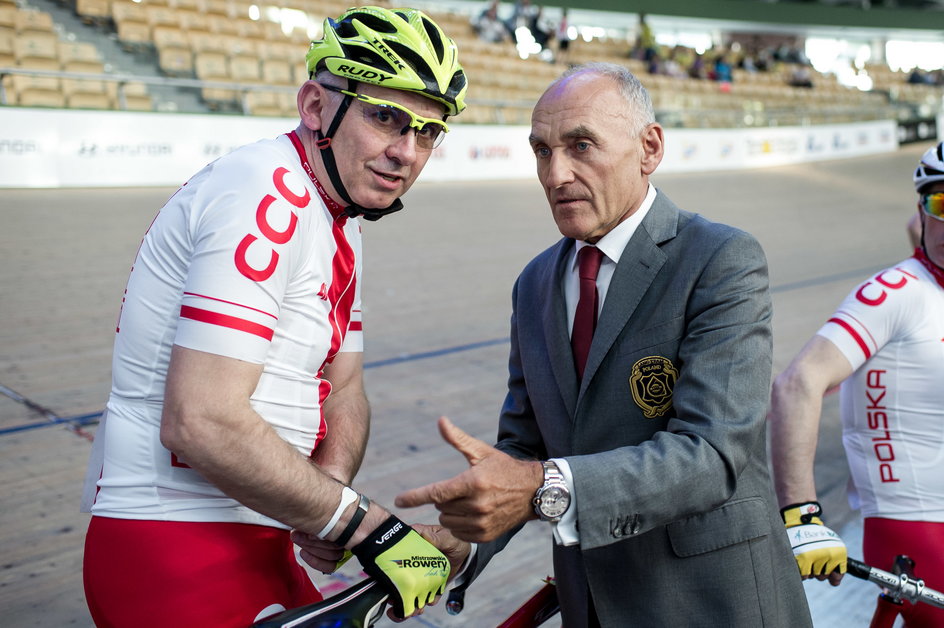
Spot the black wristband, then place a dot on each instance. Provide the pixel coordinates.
(355, 521)
(810, 510)
(384, 536)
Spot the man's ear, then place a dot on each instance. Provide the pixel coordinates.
(653, 147)
(312, 99)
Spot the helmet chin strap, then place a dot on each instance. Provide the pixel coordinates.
(327, 157)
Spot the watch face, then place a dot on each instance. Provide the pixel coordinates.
(554, 501)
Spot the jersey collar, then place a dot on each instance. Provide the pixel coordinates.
(335, 209)
(933, 268)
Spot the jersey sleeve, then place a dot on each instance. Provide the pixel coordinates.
(870, 315)
(245, 242)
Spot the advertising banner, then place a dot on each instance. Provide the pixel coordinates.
(689, 150)
(63, 148)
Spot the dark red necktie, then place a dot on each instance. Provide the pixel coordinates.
(585, 318)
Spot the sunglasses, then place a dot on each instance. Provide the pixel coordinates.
(392, 120)
(933, 205)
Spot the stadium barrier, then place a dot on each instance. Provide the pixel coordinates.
(72, 148)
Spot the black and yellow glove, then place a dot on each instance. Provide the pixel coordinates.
(818, 550)
(405, 564)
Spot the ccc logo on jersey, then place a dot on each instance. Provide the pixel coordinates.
(274, 236)
(873, 295)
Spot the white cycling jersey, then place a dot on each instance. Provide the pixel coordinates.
(251, 260)
(891, 329)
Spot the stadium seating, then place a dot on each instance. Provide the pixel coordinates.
(84, 93)
(7, 56)
(29, 41)
(37, 91)
(93, 11)
(8, 18)
(134, 96)
(217, 40)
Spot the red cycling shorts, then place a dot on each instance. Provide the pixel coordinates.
(175, 573)
(923, 542)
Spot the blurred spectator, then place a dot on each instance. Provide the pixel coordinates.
(801, 77)
(722, 71)
(697, 69)
(645, 41)
(655, 64)
(489, 26)
(677, 64)
(920, 77)
(539, 29)
(747, 63)
(521, 16)
(788, 54)
(762, 60)
(563, 37)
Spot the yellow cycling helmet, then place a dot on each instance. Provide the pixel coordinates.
(395, 48)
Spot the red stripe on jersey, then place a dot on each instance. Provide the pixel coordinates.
(341, 293)
(223, 320)
(355, 326)
(855, 335)
(203, 296)
(324, 389)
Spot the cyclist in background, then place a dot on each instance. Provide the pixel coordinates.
(237, 409)
(885, 344)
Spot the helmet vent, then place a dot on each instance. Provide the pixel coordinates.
(458, 82)
(433, 31)
(373, 22)
(345, 29)
(367, 57)
(932, 172)
(415, 61)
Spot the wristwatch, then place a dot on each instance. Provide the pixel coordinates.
(552, 500)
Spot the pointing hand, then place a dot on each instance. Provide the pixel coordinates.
(489, 498)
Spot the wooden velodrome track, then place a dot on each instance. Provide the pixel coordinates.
(437, 284)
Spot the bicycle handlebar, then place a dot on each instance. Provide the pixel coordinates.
(901, 586)
(358, 606)
(362, 604)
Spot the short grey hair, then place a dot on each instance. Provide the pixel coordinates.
(633, 91)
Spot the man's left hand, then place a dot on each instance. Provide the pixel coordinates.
(324, 556)
(455, 550)
(489, 498)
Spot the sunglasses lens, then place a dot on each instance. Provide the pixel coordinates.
(393, 121)
(430, 136)
(385, 118)
(933, 204)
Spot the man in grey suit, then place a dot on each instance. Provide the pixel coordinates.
(651, 466)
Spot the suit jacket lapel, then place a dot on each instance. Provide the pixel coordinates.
(638, 266)
(554, 322)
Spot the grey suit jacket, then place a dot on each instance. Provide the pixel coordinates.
(665, 435)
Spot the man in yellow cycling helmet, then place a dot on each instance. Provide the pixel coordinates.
(389, 62)
(237, 410)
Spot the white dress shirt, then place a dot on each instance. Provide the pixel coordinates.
(612, 245)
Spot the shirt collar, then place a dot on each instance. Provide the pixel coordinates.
(613, 243)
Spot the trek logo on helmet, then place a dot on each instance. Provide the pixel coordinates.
(393, 58)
